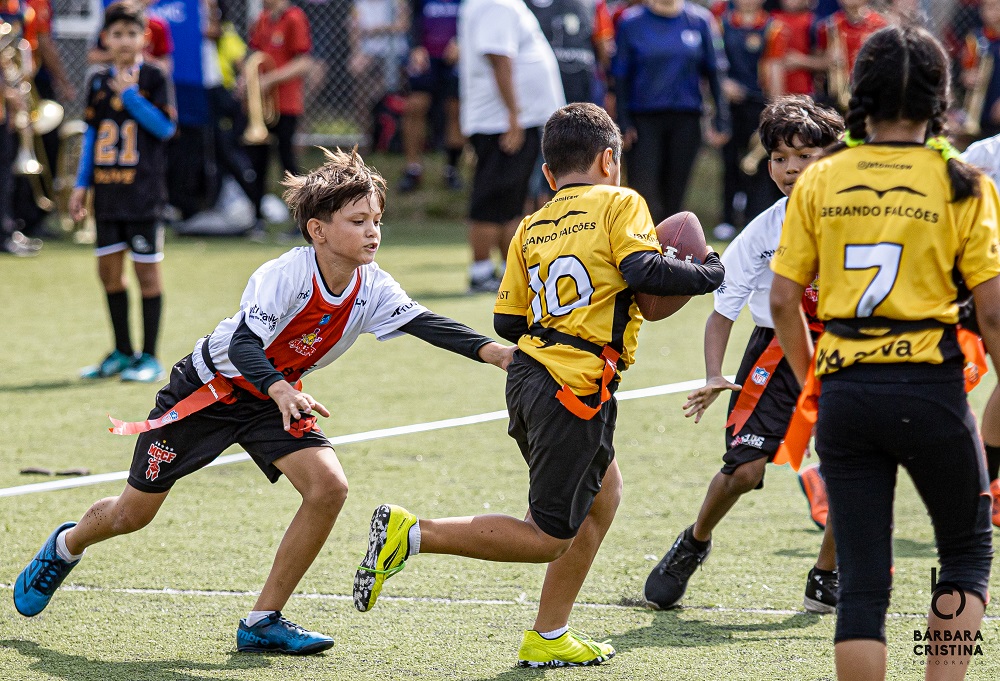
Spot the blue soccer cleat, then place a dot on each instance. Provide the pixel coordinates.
(144, 369)
(37, 582)
(112, 365)
(275, 634)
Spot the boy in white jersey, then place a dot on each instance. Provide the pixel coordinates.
(794, 131)
(985, 155)
(240, 385)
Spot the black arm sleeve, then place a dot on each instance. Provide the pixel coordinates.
(650, 272)
(246, 352)
(510, 327)
(447, 334)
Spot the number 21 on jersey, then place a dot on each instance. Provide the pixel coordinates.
(117, 145)
(547, 291)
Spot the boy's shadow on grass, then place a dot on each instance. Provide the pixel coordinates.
(901, 548)
(74, 667)
(61, 384)
(669, 630)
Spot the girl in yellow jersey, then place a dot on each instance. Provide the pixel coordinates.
(889, 222)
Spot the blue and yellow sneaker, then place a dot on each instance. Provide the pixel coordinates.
(388, 548)
(37, 582)
(275, 634)
(112, 365)
(572, 649)
(144, 369)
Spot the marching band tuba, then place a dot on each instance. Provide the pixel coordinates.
(975, 98)
(838, 75)
(262, 110)
(756, 153)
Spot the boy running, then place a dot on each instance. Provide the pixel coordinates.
(567, 300)
(130, 115)
(241, 385)
(794, 131)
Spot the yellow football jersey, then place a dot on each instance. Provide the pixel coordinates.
(877, 224)
(562, 273)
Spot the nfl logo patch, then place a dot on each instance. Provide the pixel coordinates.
(760, 376)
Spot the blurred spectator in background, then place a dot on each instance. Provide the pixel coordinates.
(980, 75)
(159, 44)
(750, 36)
(839, 38)
(663, 52)
(794, 48)
(281, 32)
(510, 85)
(378, 38)
(433, 80)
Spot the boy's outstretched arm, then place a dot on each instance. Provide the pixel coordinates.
(650, 272)
(447, 334)
(717, 331)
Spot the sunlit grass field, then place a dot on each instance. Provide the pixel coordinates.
(163, 604)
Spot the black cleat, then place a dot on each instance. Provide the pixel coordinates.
(667, 583)
(822, 591)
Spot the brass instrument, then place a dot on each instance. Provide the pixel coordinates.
(975, 99)
(838, 76)
(39, 117)
(71, 135)
(750, 162)
(261, 111)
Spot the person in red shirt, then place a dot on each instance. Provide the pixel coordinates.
(793, 47)
(282, 32)
(839, 38)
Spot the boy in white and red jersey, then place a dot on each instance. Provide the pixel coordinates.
(240, 386)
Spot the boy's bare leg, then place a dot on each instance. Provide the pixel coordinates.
(111, 270)
(953, 667)
(148, 274)
(130, 511)
(723, 493)
(318, 476)
(414, 127)
(860, 660)
(827, 558)
(491, 537)
(565, 576)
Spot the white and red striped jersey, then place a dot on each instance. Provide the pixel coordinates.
(303, 325)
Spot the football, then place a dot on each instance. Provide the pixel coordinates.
(681, 237)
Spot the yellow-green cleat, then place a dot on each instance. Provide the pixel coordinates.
(388, 548)
(572, 649)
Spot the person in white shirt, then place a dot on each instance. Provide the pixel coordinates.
(985, 155)
(794, 132)
(510, 84)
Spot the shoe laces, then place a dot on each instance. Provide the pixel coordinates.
(388, 573)
(682, 560)
(585, 639)
(50, 575)
(293, 628)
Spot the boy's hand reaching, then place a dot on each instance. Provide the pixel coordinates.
(700, 399)
(293, 404)
(77, 209)
(497, 355)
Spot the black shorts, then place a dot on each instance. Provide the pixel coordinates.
(500, 184)
(164, 455)
(567, 456)
(764, 430)
(440, 80)
(143, 237)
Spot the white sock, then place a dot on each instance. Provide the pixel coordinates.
(256, 616)
(63, 552)
(481, 269)
(553, 635)
(413, 539)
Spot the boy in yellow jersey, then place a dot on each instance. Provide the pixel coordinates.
(567, 300)
(887, 223)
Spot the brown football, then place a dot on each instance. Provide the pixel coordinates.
(682, 237)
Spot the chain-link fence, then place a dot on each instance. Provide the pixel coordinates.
(353, 72)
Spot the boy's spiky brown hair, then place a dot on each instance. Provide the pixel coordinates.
(342, 179)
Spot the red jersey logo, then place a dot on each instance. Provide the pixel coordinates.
(158, 453)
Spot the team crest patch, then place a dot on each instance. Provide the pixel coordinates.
(159, 453)
(760, 376)
(324, 320)
(306, 344)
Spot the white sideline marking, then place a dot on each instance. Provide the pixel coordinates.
(667, 389)
(447, 601)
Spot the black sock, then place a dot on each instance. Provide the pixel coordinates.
(118, 307)
(151, 323)
(689, 536)
(453, 155)
(993, 461)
